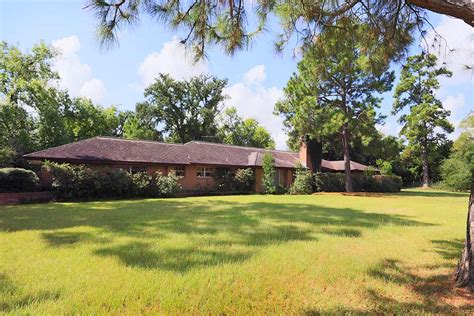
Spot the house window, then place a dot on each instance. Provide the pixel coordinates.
(135, 169)
(280, 175)
(180, 171)
(204, 172)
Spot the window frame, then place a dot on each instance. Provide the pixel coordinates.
(137, 169)
(207, 172)
(179, 170)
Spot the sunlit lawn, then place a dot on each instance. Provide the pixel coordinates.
(235, 255)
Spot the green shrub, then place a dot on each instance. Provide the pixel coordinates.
(75, 181)
(335, 182)
(144, 185)
(167, 185)
(245, 179)
(457, 174)
(268, 166)
(385, 167)
(330, 182)
(116, 183)
(224, 180)
(18, 180)
(303, 183)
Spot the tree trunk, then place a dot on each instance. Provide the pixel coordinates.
(461, 9)
(464, 275)
(347, 158)
(424, 161)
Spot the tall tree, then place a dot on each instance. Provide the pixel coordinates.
(416, 91)
(333, 92)
(248, 132)
(29, 96)
(226, 22)
(84, 119)
(187, 109)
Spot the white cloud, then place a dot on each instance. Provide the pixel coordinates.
(76, 77)
(455, 103)
(253, 100)
(255, 75)
(172, 59)
(454, 46)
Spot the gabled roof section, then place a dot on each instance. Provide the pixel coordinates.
(338, 165)
(230, 155)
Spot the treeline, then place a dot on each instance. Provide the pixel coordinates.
(36, 114)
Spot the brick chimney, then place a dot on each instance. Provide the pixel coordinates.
(311, 152)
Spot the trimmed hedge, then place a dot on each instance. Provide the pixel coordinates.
(18, 180)
(335, 182)
(81, 182)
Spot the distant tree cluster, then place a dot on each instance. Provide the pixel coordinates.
(36, 114)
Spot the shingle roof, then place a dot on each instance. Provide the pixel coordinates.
(117, 150)
(338, 165)
(109, 149)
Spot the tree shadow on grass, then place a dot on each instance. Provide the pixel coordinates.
(429, 193)
(449, 249)
(13, 299)
(248, 226)
(62, 238)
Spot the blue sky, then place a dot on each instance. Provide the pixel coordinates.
(256, 77)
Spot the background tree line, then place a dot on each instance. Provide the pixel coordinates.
(36, 114)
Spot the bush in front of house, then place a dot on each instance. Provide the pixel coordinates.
(330, 182)
(268, 166)
(79, 182)
(18, 180)
(167, 185)
(245, 179)
(365, 182)
(303, 183)
(233, 180)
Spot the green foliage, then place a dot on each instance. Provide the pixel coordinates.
(226, 23)
(224, 179)
(245, 179)
(417, 92)
(329, 182)
(18, 180)
(84, 119)
(268, 166)
(333, 94)
(228, 180)
(334, 182)
(385, 167)
(457, 171)
(81, 182)
(167, 185)
(34, 113)
(187, 108)
(249, 133)
(303, 182)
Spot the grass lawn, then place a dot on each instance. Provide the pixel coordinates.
(253, 254)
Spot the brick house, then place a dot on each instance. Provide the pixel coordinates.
(194, 161)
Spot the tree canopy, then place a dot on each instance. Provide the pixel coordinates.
(333, 93)
(237, 131)
(226, 23)
(426, 120)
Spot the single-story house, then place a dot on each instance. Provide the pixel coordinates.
(194, 161)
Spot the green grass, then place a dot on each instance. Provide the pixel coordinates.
(255, 254)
